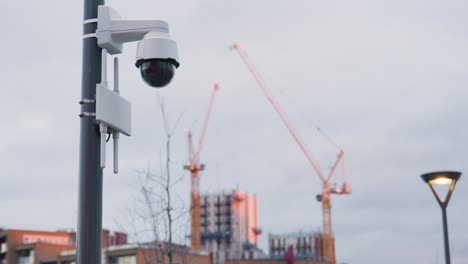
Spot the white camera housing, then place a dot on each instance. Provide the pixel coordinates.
(157, 45)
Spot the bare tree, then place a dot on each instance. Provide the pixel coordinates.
(156, 209)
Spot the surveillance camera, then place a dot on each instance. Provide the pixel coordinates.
(157, 58)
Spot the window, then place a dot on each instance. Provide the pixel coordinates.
(3, 247)
(122, 259)
(25, 257)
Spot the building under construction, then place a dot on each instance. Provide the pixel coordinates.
(229, 226)
(305, 245)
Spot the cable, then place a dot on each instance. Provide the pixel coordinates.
(329, 139)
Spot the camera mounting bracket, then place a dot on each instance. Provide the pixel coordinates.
(112, 31)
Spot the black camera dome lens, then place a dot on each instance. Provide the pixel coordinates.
(157, 72)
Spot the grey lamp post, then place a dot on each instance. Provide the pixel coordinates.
(443, 178)
(90, 173)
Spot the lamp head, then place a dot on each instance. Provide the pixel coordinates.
(441, 177)
(442, 181)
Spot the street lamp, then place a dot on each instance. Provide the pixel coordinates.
(443, 179)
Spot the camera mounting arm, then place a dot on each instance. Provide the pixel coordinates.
(112, 31)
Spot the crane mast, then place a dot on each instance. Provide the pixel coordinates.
(194, 166)
(325, 197)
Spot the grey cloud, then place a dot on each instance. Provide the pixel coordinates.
(385, 79)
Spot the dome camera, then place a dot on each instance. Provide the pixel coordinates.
(157, 58)
(157, 55)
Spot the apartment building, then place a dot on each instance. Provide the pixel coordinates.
(33, 247)
(147, 253)
(43, 247)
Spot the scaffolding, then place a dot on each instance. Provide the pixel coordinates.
(305, 245)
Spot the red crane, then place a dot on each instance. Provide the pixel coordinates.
(194, 166)
(328, 245)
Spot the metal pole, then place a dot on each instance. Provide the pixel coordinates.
(89, 233)
(446, 239)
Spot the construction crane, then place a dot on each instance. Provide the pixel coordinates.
(194, 166)
(328, 245)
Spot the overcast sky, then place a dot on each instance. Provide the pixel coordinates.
(385, 79)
